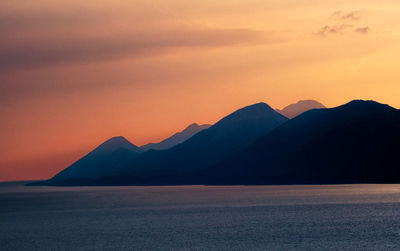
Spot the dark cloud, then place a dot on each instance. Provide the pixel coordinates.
(335, 29)
(47, 19)
(362, 30)
(343, 22)
(41, 52)
(37, 35)
(354, 15)
(15, 22)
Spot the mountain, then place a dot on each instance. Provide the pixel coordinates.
(355, 142)
(301, 106)
(177, 138)
(104, 160)
(206, 148)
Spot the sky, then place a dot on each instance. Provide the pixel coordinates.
(75, 73)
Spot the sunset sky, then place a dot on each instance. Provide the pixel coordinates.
(75, 73)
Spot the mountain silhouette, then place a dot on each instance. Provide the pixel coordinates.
(301, 106)
(177, 138)
(104, 160)
(206, 148)
(355, 142)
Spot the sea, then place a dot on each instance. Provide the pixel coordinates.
(317, 217)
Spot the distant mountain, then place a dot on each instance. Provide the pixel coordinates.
(227, 136)
(177, 138)
(104, 160)
(355, 142)
(206, 148)
(301, 106)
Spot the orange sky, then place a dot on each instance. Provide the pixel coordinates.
(74, 73)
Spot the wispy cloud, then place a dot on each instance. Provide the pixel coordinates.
(344, 16)
(61, 50)
(363, 30)
(342, 23)
(52, 34)
(334, 29)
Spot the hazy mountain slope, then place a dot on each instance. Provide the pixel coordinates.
(208, 147)
(301, 106)
(104, 160)
(177, 138)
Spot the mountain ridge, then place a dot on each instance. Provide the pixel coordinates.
(298, 108)
(355, 142)
(208, 147)
(176, 138)
(352, 143)
(98, 162)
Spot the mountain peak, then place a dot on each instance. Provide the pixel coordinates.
(194, 128)
(301, 106)
(361, 102)
(103, 160)
(116, 139)
(256, 106)
(259, 113)
(257, 110)
(359, 105)
(177, 138)
(191, 126)
(115, 143)
(309, 101)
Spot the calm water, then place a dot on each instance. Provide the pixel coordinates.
(352, 217)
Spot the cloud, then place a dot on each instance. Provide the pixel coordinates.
(57, 50)
(343, 22)
(45, 33)
(344, 16)
(17, 21)
(363, 30)
(335, 29)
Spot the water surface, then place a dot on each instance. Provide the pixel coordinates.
(332, 217)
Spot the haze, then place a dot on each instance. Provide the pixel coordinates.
(75, 73)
